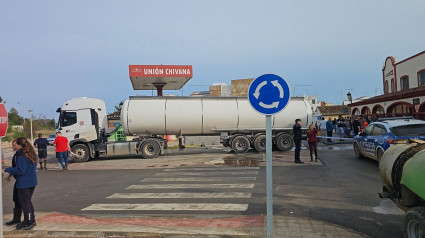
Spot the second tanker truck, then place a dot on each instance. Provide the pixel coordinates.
(83, 121)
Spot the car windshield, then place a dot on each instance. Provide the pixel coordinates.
(409, 130)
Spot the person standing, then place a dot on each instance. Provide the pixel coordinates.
(340, 125)
(26, 181)
(312, 141)
(17, 210)
(41, 145)
(296, 129)
(329, 129)
(62, 148)
(356, 126)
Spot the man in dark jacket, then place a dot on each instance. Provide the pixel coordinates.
(297, 139)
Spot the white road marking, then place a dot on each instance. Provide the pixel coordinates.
(171, 186)
(214, 168)
(198, 179)
(207, 173)
(169, 207)
(181, 195)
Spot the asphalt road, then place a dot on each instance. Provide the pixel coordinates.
(340, 190)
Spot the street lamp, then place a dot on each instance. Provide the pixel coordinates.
(349, 97)
(32, 139)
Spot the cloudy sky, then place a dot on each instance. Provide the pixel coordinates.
(52, 51)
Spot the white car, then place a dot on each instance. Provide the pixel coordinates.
(51, 139)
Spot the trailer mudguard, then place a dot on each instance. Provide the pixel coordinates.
(414, 174)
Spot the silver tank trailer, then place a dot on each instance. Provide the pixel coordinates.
(205, 116)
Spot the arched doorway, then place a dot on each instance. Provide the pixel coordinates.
(365, 111)
(378, 111)
(400, 109)
(356, 111)
(420, 114)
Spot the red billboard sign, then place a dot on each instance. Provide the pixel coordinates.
(3, 120)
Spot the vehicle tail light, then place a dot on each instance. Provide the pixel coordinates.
(397, 141)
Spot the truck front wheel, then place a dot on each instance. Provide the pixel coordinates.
(81, 153)
(240, 144)
(150, 149)
(285, 142)
(414, 223)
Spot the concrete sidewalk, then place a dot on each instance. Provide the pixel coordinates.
(62, 225)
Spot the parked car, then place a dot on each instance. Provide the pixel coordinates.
(51, 138)
(378, 136)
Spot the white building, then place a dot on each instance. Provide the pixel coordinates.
(404, 90)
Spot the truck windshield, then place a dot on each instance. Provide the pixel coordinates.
(409, 130)
(67, 118)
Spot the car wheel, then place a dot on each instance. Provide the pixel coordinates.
(357, 151)
(414, 223)
(379, 154)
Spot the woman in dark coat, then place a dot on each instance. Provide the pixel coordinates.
(26, 180)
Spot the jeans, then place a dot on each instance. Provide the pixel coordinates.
(62, 156)
(329, 135)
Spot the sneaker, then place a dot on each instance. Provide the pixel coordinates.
(45, 168)
(299, 162)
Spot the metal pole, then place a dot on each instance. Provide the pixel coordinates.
(1, 196)
(32, 139)
(269, 177)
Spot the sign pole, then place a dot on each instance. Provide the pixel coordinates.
(268, 95)
(269, 177)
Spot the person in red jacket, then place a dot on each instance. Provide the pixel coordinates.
(312, 141)
(62, 148)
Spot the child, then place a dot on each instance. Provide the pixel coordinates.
(312, 141)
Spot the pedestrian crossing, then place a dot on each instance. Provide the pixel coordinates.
(199, 190)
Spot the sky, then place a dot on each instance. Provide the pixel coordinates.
(53, 51)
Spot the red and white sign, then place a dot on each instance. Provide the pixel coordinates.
(160, 70)
(3, 120)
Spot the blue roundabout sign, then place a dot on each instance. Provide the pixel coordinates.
(269, 94)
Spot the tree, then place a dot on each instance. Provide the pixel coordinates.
(118, 107)
(14, 118)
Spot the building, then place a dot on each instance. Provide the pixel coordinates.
(403, 85)
(220, 90)
(332, 111)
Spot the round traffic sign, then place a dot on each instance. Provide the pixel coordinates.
(269, 94)
(3, 120)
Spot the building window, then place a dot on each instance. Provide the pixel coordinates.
(421, 77)
(392, 85)
(404, 82)
(386, 86)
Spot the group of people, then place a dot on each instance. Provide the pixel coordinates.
(344, 126)
(311, 139)
(23, 170)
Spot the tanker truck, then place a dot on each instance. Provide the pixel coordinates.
(402, 170)
(83, 121)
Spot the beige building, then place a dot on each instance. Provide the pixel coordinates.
(404, 90)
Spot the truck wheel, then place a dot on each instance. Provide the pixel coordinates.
(357, 151)
(285, 142)
(81, 152)
(240, 144)
(260, 143)
(414, 223)
(150, 149)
